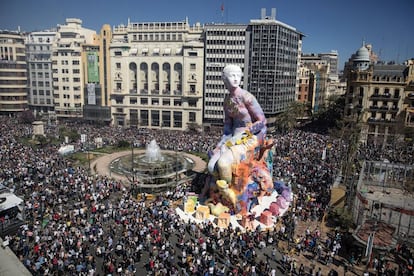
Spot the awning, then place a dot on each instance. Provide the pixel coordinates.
(9, 200)
(156, 50)
(133, 51)
(167, 51)
(145, 50)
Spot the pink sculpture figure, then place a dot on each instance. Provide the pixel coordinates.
(244, 132)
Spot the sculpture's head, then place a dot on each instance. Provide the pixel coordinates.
(231, 76)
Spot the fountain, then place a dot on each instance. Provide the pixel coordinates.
(153, 153)
(153, 169)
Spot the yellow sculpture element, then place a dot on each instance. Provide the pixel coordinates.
(218, 209)
(226, 191)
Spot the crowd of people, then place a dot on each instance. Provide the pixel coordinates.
(82, 224)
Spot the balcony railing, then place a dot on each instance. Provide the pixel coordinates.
(380, 121)
(384, 97)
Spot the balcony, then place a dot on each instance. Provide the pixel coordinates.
(144, 91)
(192, 94)
(155, 92)
(381, 121)
(384, 97)
(378, 108)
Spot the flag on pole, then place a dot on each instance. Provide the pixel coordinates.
(370, 245)
(324, 154)
(222, 9)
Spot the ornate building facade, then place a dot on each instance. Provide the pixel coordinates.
(157, 75)
(375, 97)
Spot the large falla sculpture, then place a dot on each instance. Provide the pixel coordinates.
(240, 166)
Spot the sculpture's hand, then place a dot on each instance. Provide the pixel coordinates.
(256, 127)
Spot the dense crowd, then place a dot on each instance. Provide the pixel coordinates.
(80, 224)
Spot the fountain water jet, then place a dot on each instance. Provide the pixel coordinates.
(153, 153)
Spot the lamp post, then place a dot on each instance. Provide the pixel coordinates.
(353, 142)
(132, 163)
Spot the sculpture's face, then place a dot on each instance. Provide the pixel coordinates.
(232, 79)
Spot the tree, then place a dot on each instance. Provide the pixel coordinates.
(123, 144)
(72, 134)
(288, 119)
(26, 117)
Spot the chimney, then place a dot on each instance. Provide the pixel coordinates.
(273, 16)
(263, 13)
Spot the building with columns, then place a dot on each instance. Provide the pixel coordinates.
(157, 75)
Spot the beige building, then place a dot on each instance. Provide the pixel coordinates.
(68, 72)
(97, 91)
(13, 78)
(375, 97)
(157, 75)
(409, 95)
(305, 92)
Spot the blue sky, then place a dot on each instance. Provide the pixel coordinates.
(327, 24)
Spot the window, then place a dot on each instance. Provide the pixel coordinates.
(192, 103)
(192, 54)
(192, 117)
(155, 101)
(118, 53)
(192, 66)
(396, 93)
(118, 65)
(133, 101)
(75, 62)
(144, 101)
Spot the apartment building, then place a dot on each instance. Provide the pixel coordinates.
(157, 75)
(13, 76)
(223, 44)
(409, 95)
(39, 72)
(68, 72)
(326, 61)
(375, 97)
(274, 50)
(96, 61)
(305, 92)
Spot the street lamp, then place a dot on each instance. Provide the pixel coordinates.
(353, 142)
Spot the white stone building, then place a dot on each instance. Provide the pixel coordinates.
(157, 75)
(68, 81)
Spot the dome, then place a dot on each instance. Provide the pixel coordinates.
(362, 54)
